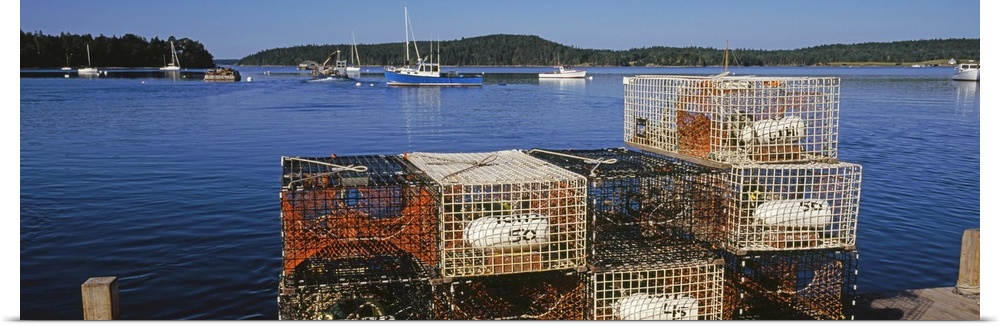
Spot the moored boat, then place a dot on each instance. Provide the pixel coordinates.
(966, 72)
(563, 72)
(427, 72)
(222, 74)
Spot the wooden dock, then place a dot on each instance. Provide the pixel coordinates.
(925, 304)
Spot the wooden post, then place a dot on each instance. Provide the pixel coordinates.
(100, 298)
(968, 264)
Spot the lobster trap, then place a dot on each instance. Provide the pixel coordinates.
(372, 300)
(799, 285)
(734, 119)
(677, 282)
(355, 218)
(549, 295)
(781, 207)
(505, 212)
(643, 197)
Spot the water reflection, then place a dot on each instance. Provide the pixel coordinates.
(173, 75)
(966, 91)
(564, 84)
(421, 112)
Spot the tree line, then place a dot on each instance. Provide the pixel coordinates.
(49, 51)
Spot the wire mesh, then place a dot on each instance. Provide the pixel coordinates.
(677, 282)
(644, 197)
(549, 295)
(734, 119)
(505, 212)
(355, 218)
(811, 284)
(780, 207)
(374, 300)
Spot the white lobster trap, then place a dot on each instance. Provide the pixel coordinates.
(734, 119)
(681, 282)
(781, 207)
(505, 212)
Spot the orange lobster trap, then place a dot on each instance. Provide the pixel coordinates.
(340, 213)
(734, 119)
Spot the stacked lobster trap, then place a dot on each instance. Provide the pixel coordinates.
(358, 239)
(646, 215)
(772, 142)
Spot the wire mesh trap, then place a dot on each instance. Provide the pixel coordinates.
(339, 213)
(505, 212)
(643, 196)
(781, 207)
(798, 285)
(680, 282)
(374, 300)
(734, 119)
(549, 295)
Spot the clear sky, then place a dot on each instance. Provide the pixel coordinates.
(232, 29)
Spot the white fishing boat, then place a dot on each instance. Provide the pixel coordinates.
(175, 62)
(563, 72)
(966, 72)
(87, 69)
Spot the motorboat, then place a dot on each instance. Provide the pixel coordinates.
(563, 72)
(966, 72)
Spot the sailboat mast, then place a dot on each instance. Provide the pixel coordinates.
(725, 65)
(406, 30)
(88, 56)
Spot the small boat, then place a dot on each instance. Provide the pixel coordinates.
(175, 62)
(966, 72)
(426, 72)
(563, 72)
(87, 69)
(222, 74)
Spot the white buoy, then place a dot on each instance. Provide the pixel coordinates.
(66, 76)
(249, 79)
(357, 84)
(508, 232)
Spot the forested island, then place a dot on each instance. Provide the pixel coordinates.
(44, 51)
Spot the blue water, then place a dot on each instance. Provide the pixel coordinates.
(171, 184)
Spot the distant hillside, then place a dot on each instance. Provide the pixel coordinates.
(529, 50)
(52, 51)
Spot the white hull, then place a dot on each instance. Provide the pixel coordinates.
(568, 74)
(968, 75)
(170, 68)
(90, 70)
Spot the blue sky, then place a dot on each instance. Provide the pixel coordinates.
(232, 29)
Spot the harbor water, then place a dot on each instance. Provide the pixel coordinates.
(171, 183)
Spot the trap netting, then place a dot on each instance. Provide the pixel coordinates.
(810, 284)
(549, 295)
(374, 300)
(680, 282)
(505, 212)
(792, 207)
(355, 218)
(644, 197)
(734, 119)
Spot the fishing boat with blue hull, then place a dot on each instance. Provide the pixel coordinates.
(427, 72)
